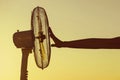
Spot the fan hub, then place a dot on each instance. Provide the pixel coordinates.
(41, 37)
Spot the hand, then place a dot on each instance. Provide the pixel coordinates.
(57, 42)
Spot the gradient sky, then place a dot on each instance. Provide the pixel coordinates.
(69, 20)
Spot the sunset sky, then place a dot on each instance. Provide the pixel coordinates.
(69, 20)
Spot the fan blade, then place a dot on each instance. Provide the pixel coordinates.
(44, 57)
(41, 56)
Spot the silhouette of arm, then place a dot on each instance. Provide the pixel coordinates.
(91, 43)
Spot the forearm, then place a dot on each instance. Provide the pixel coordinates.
(93, 43)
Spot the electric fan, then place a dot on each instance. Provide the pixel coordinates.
(36, 39)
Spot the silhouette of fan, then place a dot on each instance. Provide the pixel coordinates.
(36, 39)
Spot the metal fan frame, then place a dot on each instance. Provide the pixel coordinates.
(42, 35)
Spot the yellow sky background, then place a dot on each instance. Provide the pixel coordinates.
(69, 20)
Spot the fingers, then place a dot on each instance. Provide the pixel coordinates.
(54, 45)
(49, 29)
(51, 33)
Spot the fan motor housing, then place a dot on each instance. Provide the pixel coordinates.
(24, 39)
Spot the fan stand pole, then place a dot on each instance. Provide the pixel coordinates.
(25, 54)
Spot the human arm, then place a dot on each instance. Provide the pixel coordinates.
(90, 43)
